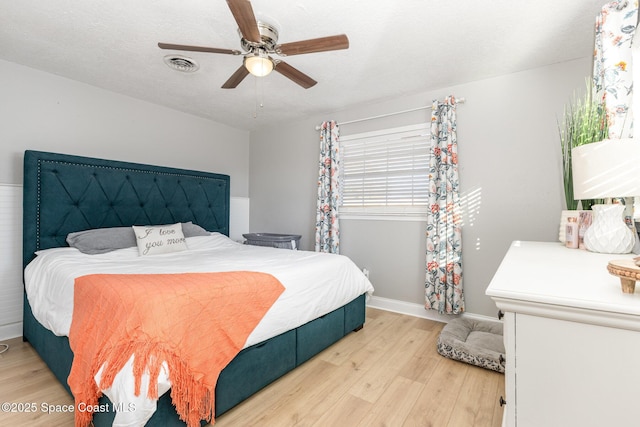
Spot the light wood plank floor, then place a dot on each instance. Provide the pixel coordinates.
(387, 374)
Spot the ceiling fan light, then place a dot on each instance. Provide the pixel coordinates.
(258, 64)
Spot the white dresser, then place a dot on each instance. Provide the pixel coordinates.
(572, 338)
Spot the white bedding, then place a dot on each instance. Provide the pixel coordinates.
(315, 284)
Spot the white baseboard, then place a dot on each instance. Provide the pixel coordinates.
(12, 330)
(418, 310)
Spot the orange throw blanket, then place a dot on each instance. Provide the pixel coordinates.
(196, 322)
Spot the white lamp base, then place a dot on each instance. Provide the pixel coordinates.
(608, 234)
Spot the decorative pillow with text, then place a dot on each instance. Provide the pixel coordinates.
(159, 239)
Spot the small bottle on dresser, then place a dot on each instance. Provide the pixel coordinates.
(572, 233)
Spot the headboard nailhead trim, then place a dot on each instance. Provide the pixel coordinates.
(106, 167)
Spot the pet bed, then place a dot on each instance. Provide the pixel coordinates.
(476, 342)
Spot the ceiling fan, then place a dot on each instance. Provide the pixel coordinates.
(259, 40)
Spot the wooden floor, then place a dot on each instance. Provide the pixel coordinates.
(387, 374)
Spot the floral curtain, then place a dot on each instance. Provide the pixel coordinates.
(443, 287)
(612, 65)
(327, 227)
(613, 72)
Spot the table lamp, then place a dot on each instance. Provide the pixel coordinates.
(604, 170)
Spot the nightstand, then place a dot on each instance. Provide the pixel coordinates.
(284, 241)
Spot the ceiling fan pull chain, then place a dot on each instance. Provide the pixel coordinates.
(259, 93)
(255, 105)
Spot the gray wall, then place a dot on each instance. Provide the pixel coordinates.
(510, 174)
(42, 111)
(508, 154)
(46, 112)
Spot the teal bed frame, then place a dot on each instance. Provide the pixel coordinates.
(65, 193)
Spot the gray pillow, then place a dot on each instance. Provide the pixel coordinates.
(101, 240)
(189, 229)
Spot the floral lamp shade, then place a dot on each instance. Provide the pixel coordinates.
(607, 169)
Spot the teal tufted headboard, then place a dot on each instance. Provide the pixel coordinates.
(64, 193)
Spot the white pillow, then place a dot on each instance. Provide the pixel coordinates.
(159, 239)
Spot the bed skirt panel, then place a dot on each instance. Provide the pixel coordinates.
(354, 314)
(243, 377)
(54, 350)
(315, 336)
(246, 373)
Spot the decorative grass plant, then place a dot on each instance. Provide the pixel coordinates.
(584, 122)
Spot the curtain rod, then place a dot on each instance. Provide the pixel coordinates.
(458, 101)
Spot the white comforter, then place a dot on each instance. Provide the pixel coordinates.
(315, 284)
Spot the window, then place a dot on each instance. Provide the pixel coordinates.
(385, 173)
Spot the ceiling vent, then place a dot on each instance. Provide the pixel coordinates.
(181, 63)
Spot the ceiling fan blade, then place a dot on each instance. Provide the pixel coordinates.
(246, 19)
(197, 48)
(236, 78)
(322, 44)
(294, 74)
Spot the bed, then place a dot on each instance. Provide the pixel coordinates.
(65, 194)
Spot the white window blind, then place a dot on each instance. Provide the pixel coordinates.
(386, 172)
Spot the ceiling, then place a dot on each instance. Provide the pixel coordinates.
(396, 47)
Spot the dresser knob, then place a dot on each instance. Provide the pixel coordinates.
(500, 314)
(502, 401)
